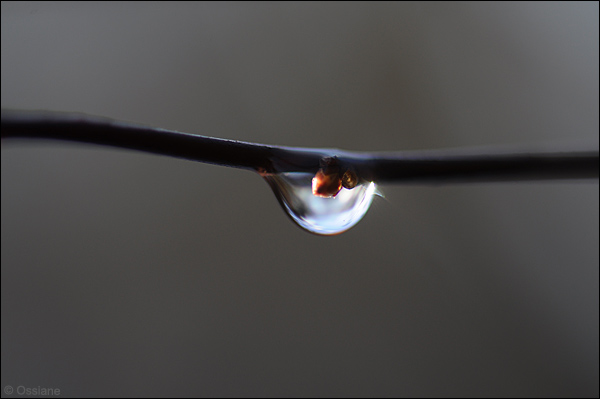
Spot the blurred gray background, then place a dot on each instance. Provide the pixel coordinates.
(132, 274)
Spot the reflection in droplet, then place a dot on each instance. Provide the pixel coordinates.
(325, 216)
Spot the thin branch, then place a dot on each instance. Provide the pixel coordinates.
(437, 166)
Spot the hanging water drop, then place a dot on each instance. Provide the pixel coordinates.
(328, 212)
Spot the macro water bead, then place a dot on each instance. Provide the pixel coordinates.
(321, 214)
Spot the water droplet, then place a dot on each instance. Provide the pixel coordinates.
(317, 214)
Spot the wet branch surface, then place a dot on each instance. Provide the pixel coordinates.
(435, 166)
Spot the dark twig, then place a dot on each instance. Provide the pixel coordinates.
(409, 167)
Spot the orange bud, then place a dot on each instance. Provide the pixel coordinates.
(326, 185)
